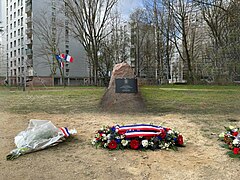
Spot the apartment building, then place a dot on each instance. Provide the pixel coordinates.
(30, 54)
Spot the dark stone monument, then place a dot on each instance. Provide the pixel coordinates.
(122, 94)
(126, 85)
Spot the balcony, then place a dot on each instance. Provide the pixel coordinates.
(29, 41)
(28, 8)
(30, 71)
(29, 31)
(29, 62)
(29, 20)
(29, 52)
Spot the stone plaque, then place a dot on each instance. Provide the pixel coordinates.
(126, 85)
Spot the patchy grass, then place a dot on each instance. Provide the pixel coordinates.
(53, 100)
(192, 99)
(182, 99)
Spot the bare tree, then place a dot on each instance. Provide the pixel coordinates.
(89, 20)
(114, 48)
(50, 35)
(223, 21)
(140, 28)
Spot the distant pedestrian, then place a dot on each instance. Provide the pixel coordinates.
(5, 82)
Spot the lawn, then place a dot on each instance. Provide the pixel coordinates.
(183, 99)
(192, 99)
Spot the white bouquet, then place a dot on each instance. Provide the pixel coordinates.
(39, 135)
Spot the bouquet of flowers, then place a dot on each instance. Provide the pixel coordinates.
(40, 134)
(137, 136)
(232, 139)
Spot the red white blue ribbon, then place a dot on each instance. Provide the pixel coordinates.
(137, 130)
(65, 131)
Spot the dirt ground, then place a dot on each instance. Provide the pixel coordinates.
(202, 158)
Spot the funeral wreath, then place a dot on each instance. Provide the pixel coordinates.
(137, 137)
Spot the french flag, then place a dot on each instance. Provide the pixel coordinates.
(68, 58)
(62, 56)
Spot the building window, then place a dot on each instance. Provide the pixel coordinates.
(14, 15)
(10, 17)
(22, 21)
(15, 33)
(21, 31)
(19, 12)
(19, 42)
(10, 35)
(18, 22)
(11, 8)
(18, 32)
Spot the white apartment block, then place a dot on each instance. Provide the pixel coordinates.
(29, 57)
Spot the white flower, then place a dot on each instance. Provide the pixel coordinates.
(104, 136)
(234, 130)
(109, 136)
(145, 143)
(150, 143)
(170, 132)
(117, 137)
(161, 145)
(166, 145)
(124, 142)
(236, 142)
(105, 145)
(94, 141)
(221, 135)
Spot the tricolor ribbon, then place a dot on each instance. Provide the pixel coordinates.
(145, 130)
(65, 131)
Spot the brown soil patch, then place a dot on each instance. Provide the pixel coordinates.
(202, 158)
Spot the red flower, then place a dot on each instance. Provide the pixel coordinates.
(112, 144)
(235, 133)
(167, 129)
(134, 144)
(180, 139)
(162, 134)
(236, 150)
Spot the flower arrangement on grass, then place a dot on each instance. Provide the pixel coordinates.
(232, 139)
(137, 137)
